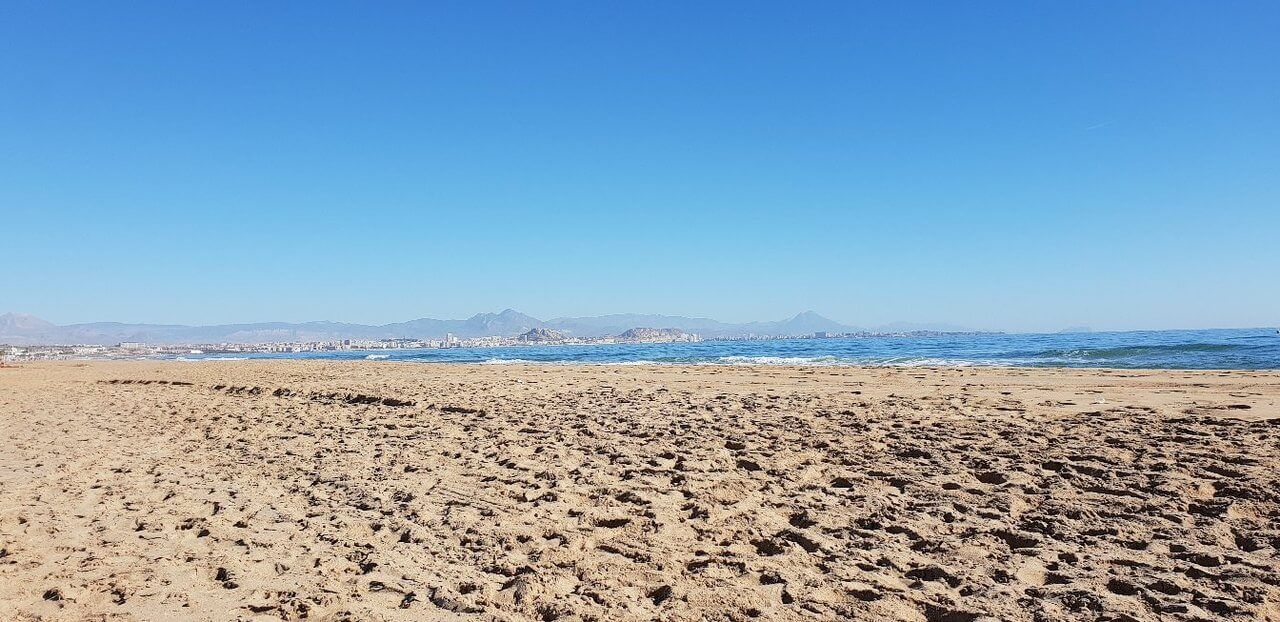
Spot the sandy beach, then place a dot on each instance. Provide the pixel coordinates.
(377, 491)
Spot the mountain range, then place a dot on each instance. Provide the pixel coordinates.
(23, 329)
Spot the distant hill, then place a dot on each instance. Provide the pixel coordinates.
(536, 335)
(802, 324)
(653, 334)
(24, 329)
(505, 323)
(12, 322)
(609, 325)
(21, 328)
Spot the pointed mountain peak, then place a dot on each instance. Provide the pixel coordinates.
(809, 322)
(23, 321)
(504, 315)
(808, 315)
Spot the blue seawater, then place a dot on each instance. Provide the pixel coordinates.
(1169, 349)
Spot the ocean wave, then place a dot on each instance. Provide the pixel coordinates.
(212, 358)
(505, 361)
(1123, 352)
(833, 361)
(783, 360)
(937, 362)
(377, 357)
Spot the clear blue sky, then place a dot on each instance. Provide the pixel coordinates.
(1001, 165)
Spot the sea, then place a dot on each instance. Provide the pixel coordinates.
(1165, 349)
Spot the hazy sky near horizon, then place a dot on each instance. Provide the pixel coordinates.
(1011, 166)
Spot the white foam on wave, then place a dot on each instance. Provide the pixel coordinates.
(832, 361)
(820, 361)
(501, 361)
(764, 361)
(782, 360)
(933, 362)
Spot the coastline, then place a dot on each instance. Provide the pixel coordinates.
(1207, 349)
(388, 490)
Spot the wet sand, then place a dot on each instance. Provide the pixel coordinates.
(381, 491)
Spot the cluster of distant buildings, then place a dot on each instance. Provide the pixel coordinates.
(133, 350)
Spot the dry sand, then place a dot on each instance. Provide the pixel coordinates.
(269, 490)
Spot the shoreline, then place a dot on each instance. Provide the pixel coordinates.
(1224, 349)
(644, 363)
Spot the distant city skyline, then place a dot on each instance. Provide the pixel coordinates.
(25, 329)
(19, 328)
(1038, 167)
